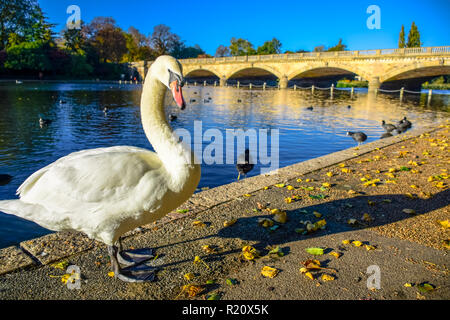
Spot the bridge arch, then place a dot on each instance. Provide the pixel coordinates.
(200, 72)
(255, 69)
(429, 68)
(326, 69)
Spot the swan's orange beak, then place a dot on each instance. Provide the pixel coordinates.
(177, 94)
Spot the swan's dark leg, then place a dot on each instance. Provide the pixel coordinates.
(133, 257)
(140, 273)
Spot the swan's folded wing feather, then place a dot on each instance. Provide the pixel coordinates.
(93, 178)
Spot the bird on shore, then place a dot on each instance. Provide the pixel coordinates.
(5, 179)
(310, 108)
(244, 164)
(357, 136)
(405, 123)
(388, 126)
(107, 192)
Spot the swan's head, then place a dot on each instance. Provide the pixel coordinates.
(170, 72)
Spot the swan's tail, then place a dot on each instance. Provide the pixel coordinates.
(28, 211)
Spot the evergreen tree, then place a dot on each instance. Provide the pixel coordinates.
(413, 37)
(401, 38)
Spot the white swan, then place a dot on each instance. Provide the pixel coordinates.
(106, 192)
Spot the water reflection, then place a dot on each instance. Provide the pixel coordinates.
(80, 123)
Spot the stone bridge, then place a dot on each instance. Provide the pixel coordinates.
(381, 67)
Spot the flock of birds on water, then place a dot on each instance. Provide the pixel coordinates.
(245, 165)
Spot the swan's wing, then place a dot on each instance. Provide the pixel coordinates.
(95, 180)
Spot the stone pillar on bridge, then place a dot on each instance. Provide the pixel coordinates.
(223, 81)
(283, 82)
(374, 84)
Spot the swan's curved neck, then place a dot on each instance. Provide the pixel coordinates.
(173, 154)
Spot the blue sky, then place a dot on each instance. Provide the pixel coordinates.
(297, 24)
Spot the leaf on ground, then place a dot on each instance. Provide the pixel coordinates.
(443, 223)
(315, 251)
(213, 296)
(309, 275)
(335, 254)
(189, 276)
(326, 277)
(357, 243)
(231, 281)
(198, 223)
(192, 290)
(265, 222)
(182, 210)
(250, 253)
(269, 272)
(61, 265)
(318, 196)
(279, 185)
(425, 287)
(409, 211)
(277, 251)
(229, 223)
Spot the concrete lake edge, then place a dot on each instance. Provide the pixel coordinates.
(37, 252)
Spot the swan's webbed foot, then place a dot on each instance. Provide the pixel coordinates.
(134, 257)
(139, 272)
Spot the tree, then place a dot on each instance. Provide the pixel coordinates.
(320, 48)
(137, 46)
(16, 16)
(180, 51)
(270, 47)
(339, 47)
(106, 38)
(413, 37)
(40, 29)
(73, 40)
(163, 41)
(28, 56)
(401, 38)
(222, 51)
(241, 47)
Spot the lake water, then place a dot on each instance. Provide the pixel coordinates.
(80, 123)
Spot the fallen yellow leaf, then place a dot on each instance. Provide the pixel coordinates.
(326, 277)
(229, 223)
(357, 243)
(309, 275)
(189, 276)
(269, 272)
(444, 223)
(335, 254)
